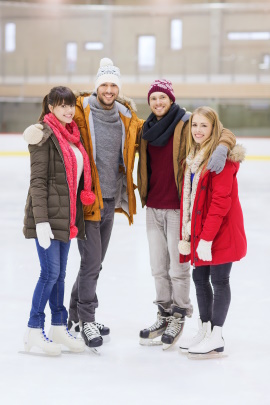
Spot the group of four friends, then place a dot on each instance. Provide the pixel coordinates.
(82, 154)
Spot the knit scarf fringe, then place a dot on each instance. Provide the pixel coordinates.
(192, 166)
(64, 135)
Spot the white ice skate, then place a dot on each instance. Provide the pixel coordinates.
(36, 338)
(186, 343)
(104, 331)
(60, 334)
(212, 346)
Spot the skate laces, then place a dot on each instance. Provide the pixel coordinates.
(69, 334)
(90, 329)
(45, 337)
(174, 326)
(207, 335)
(159, 322)
(99, 325)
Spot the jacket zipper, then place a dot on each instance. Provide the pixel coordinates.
(65, 175)
(194, 236)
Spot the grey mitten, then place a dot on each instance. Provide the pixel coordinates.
(218, 159)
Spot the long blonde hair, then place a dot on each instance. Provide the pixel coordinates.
(211, 143)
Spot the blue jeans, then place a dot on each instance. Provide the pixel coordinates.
(51, 285)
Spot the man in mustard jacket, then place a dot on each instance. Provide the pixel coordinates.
(109, 128)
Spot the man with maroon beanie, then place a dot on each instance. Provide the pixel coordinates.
(162, 150)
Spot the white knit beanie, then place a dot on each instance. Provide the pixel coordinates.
(107, 73)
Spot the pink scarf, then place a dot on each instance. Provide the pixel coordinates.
(71, 133)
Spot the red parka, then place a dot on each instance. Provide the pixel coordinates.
(217, 215)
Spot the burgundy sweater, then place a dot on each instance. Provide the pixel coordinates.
(162, 192)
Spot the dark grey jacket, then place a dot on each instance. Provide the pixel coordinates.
(48, 196)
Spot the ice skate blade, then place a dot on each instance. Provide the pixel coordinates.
(150, 342)
(167, 346)
(67, 350)
(206, 356)
(183, 351)
(38, 354)
(93, 350)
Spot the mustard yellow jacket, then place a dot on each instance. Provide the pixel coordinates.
(179, 154)
(125, 201)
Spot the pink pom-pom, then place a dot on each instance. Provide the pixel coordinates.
(87, 197)
(73, 231)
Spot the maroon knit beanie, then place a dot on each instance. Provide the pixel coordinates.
(164, 86)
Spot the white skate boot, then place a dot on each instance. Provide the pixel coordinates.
(185, 344)
(60, 334)
(212, 346)
(35, 337)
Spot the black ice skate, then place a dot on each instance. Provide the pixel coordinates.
(74, 328)
(103, 330)
(91, 335)
(175, 327)
(148, 336)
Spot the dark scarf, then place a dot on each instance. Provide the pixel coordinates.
(158, 133)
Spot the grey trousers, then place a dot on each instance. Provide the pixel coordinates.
(84, 301)
(172, 279)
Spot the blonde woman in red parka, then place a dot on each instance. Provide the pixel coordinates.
(212, 234)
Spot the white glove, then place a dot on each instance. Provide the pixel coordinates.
(218, 159)
(44, 234)
(33, 134)
(204, 250)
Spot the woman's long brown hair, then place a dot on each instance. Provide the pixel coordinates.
(57, 96)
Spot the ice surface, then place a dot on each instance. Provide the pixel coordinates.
(126, 373)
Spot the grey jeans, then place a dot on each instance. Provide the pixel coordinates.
(172, 279)
(84, 301)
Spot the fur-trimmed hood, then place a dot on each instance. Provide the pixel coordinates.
(121, 99)
(47, 132)
(237, 154)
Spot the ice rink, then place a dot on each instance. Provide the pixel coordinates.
(126, 373)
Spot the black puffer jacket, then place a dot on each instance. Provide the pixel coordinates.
(48, 196)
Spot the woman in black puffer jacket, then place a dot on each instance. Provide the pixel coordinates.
(54, 215)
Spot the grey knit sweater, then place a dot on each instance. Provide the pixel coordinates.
(108, 133)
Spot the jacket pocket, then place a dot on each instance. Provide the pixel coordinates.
(223, 238)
